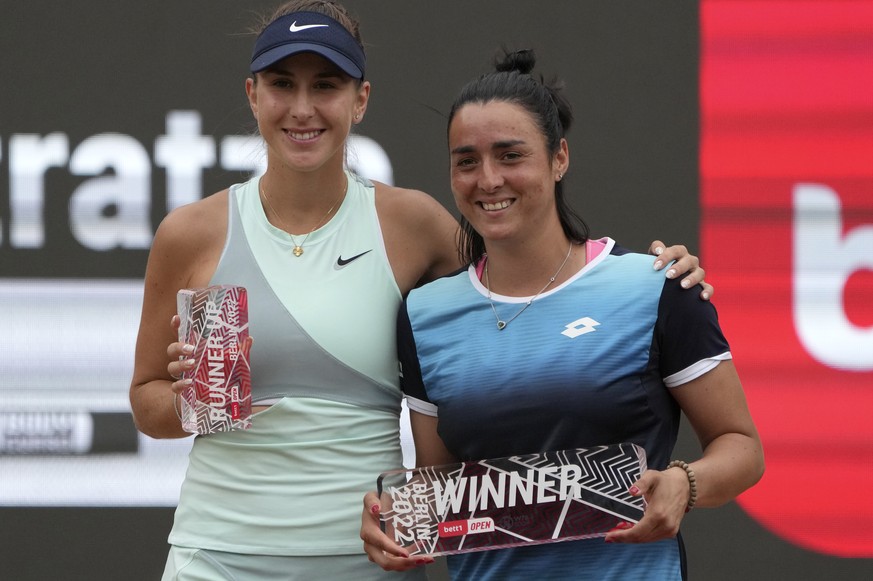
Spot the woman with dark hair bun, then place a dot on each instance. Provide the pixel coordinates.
(550, 340)
(512, 83)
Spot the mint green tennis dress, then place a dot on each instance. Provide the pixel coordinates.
(324, 357)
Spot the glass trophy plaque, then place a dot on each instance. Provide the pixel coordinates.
(518, 500)
(215, 320)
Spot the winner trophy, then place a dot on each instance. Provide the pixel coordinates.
(519, 500)
(215, 320)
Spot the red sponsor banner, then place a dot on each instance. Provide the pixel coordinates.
(455, 528)
(787, 237)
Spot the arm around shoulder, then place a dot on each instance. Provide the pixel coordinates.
(421, 236)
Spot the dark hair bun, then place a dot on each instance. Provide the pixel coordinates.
(522, 61)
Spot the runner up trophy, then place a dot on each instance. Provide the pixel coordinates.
(215, 320)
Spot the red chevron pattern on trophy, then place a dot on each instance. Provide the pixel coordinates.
(518, 500)
(215, 320)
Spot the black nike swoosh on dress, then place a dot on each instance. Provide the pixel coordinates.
(340, 261)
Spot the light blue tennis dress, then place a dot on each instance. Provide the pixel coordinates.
(590, 362)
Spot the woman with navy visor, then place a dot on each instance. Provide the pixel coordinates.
(326, 257)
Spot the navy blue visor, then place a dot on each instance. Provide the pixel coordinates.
(308, 32)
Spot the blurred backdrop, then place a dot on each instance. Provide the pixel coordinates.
(743, 129)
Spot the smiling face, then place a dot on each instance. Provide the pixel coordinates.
(305, 106)
(503, 176)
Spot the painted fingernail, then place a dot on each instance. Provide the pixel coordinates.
(658, 264)
(634, 490)
(188, 349)
(375, 509)
(685, 283)
(671, 273)
(189, 363)
(658, 251)
(705, 296)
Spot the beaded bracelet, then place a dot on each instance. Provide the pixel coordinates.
(692, 481)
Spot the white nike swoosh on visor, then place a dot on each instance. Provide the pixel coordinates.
(295, 28)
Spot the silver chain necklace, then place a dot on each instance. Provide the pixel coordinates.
(501, 324)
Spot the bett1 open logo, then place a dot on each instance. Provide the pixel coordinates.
(787, 238)
(831, 305)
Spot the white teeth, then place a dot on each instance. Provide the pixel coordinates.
(497, 206)
(305, 136)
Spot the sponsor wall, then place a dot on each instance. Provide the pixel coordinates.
(787, 168)
(119, 111)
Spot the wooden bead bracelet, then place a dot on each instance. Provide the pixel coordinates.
(692, 481)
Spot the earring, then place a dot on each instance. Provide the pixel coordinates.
(560, 176)
(357, 116)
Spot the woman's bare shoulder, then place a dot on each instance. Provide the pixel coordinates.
(196, 223)
(189, 242)
(408, 204)
(420, 234)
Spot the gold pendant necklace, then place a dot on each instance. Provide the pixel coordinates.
(501, 324)
(298, 248)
